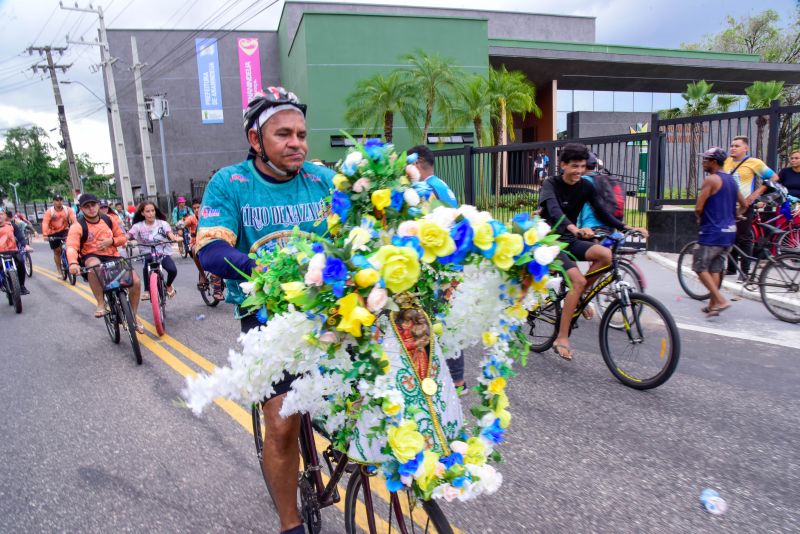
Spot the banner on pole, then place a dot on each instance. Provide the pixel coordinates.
(249, 68)
(210, 87)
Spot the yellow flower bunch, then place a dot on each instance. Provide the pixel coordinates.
(398, 266)
(508, 246)
(405, 441)
(354, 316)
(435, 241)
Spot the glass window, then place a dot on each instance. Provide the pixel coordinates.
(643, 102)
(676, 100)
(564, 100)
(584, 101)
(561, 122)
(604, 101)
(623, 101)
(661, 101)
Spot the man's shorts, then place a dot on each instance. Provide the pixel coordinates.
(709, 258)
(102, 258)
(248, 323)
(577, 247)
(55, 244)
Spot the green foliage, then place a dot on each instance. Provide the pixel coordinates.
(472, 105)
(761, 94)
(375, 101)
(511, 93)
(700, 100)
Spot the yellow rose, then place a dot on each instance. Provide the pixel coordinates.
(390, 408)
(381, 199)
(489, 339)
(508, 246)
(541, 285)
(497, 385)
(333, 221)
(399, 267)
(476, 452)
(341, 182)
(367, 277)
(294, 290)
(484, 236)
(435, 241)
(405, 441)
(358, 238)
(530, 236)
(430, 472)
(501, 412)
(438, 328)
(353, 315)
(518, 312)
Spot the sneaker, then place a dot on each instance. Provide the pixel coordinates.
(24, 291)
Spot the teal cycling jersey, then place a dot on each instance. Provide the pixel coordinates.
(587, 218)
(249, 210)
(179, 214)
(442, 191)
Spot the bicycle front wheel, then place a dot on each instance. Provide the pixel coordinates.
(130, 321)
(789, 242)
(543, 326)
(779, 285)
(111, 318)
(14, 292)
(28, 265)
(645, 352)
(627, 273)
(688, 279)
(405, 512)
(156, 302)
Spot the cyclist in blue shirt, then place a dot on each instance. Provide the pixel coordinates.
(257, 203)
(587, 218)
(180, 211)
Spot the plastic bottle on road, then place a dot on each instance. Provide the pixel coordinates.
(200, 317)
(712, 502)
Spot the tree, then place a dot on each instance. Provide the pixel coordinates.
(376, 100)
(760, 95)
(758, 34)
(472, 104)
(511, 92)
(436, 79)
(26, 159)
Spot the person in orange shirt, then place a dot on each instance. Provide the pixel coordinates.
(105, 209)
(57, 220)
(11, 236)
(99, 245)
(191, 221)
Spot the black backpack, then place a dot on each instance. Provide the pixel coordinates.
(85, 228)
(610, 193)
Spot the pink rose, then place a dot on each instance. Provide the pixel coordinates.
(450, 493)
(458, 446)
(313, 277)
(408, 228)
(328, 337)
(361, 185)
(377, 299)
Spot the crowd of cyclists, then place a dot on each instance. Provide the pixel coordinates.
(276, 172)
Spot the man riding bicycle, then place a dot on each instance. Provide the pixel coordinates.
(57, 220)
(255, 204)
(562, 198)
(94, 240)
(12, 237)
(191, 221)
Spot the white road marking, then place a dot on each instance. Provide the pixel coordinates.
(794, 343)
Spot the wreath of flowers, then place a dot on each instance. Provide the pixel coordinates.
(319, 298)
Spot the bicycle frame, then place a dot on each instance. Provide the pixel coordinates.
(9, 269)
(326, 493)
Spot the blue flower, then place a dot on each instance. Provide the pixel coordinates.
(411, 466)
(317, 248)
(414, 212)
(408, 241)
(374, 148)
(360, 262)
(349, 168)
(397, 200)
(338, 288)
(498, 227)
(493, 432)
(462, 234)
(538, 270)
(459, 481)
(489, 252)
(454, 458)
(412, 158)
(262, 315)
(523, 220)
(423, 189)
(394, 484)
(335, 270)
(340, 204)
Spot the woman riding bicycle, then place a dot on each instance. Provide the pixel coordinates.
(11, 238)
(150, 226)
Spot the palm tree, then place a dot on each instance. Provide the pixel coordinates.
(760, 95)
(436, 79)
(510, 93)
(377, 99)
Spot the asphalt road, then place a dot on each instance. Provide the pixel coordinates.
(93, 443)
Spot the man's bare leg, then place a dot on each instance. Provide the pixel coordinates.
(135, 293)
(711, 282)
(96, 285)
(561, 343)
(281, 460)
(57, 260)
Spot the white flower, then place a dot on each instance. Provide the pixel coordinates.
(446, 491)
(443, 216)
(546, 255)
(359, 237)
(408, 228)
(490, 479)
(542, 228)
(554, 283)
(411, 197)
(474, 216)
(412, 172)
(353, 158)
(458, 446)
(247, 287)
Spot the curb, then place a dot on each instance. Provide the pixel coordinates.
(737, 289)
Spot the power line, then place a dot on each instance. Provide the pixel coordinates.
(120, 13)
(41, 30)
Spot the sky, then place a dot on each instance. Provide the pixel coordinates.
(27, 99)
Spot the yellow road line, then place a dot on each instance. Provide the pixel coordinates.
(236, 412)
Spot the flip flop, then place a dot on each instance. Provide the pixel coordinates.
(588, 312)
(171, 294)
(140, 328)
(100, 313)
(705, 309)
(145, 296)
(713, 312)
(720, 309)
(565, 356)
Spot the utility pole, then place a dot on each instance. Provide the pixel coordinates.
(159, 109)
(144, 131)
(62, 116)
(116, 123)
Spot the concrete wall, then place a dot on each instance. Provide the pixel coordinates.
(194, 149)
(598, 123)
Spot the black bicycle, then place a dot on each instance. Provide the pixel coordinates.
(776, 278)
(116, 277)
(9, 281)
(363, 508)
(27, 261)
(65, 274)
(213, 286)
(639, 340)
